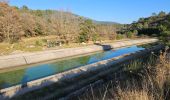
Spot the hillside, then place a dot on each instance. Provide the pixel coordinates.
(67, 27)
(23, 29)
(151, 25)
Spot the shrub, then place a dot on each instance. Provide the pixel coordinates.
(83, 37)
(119, 36)
(95, 37)
(129, 35)
(38, 43)
(165, 37)
(88, 31)
(44, 40)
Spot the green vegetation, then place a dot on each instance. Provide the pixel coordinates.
(119, 36)
(165, 37)
(156, 25)
(129, 34)
(88, 31)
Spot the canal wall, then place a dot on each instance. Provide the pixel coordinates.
(100, 68)
(31, 58)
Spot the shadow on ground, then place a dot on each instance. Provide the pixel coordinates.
(105, 47)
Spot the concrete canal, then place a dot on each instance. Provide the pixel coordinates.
(33, 72)
(21, 80)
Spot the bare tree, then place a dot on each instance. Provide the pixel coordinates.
(66, 26)
(10, 27)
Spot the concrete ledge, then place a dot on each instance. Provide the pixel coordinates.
(102, 65)
(31, 58)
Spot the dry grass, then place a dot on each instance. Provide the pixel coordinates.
(39, 43)
(162, 70)
(134, 95)
(155, 85)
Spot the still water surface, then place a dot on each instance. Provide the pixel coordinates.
(34, 72)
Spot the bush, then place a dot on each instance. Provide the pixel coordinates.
(1, 38)
(119, 36)
(38, 43)
(129, 35)
(87, 31)
(95, 37)
(165, 37)
(44, 40)
(83, 37)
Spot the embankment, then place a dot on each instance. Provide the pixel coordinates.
(31, 58)
(93, 70)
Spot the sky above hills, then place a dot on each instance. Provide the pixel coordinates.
(122, 11)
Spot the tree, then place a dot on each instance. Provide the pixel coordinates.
(162, 28)
(88, 31)
(24, 8)
(23, 22)
(141, 19)
(139, 26)
(145, 25)
(39, 13)
(28, 20)
(165, 37)
(154, 14)
(161, 14)
(165, 34)
(16, 7)
(10, 27)
(130, 34)
(106, 31)
(135, 32)
(65, 26)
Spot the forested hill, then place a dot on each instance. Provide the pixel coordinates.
(153, 25)
(16, 23)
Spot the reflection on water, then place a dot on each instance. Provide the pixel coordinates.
(23, 76)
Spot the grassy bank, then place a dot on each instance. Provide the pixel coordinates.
(41, 43)
(152, 82)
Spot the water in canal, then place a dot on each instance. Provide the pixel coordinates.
(34, 72)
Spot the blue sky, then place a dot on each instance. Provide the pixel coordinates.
(122, 11)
